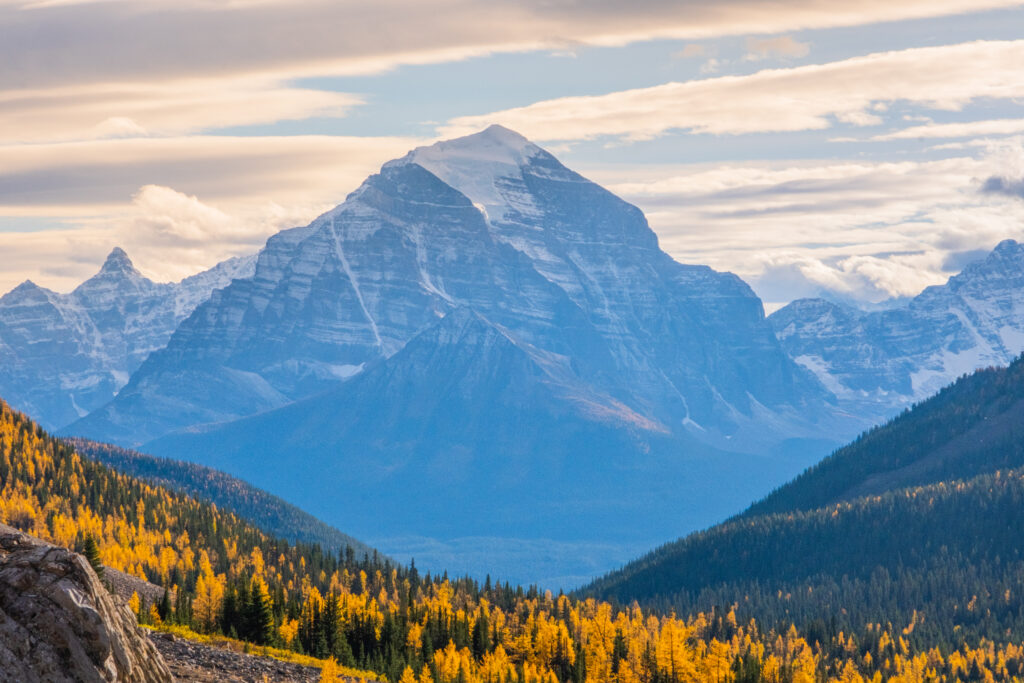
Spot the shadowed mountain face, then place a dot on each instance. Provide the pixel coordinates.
(878, 362)
(479, 319)
(63, 355)
(466, 433)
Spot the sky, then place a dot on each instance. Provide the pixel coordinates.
(860, 150)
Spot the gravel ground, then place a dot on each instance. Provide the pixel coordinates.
(198, 663)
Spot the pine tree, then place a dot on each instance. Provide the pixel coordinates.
(261, 613)
(91, 550)
(164, 606)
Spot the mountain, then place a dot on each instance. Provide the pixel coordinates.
(970, 428)
(918, 522)
(477, 310)
(878, 362)
(268, 512)
(493, 223)
(63, 355)
(465, 419)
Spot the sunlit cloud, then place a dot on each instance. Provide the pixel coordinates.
(809, 97)
(158, 109)
(202, 199)
(865, 231)
(956, 130)
(77, 178)
(130, 41)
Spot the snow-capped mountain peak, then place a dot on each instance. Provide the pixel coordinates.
(118, 262)
(487, 167)
(496, 145)
(62, 355)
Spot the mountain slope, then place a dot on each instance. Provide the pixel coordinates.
(924, 514)
(970, 428)
(881, 361)
(270, 513)
(944, 560)
(543, 459)
(62, 355)
(232, 578)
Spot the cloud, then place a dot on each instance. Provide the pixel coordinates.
(168, 234)
(692, 50)
(1008, 158)
(228, 195)
(862, 230)
(62, 44)
(860, 279)
(84, 112)
(1006, 186)
(956, 130)
(89, 178)
(808, 97)
(782, 46)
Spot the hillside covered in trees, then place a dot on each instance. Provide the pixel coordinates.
(223, 575)
(974, 426)
(267, 511)
(918, 521)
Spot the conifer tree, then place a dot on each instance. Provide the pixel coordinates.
(91, 550)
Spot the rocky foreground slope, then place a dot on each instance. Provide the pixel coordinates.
(58, 622)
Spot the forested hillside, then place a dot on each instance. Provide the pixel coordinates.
(948, 557)
(975, 426)
(228, 577)
(270, 513)
(918, 521)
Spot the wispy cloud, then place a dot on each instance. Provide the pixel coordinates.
(956, 130)
(85, 112)
(83, 178)
(801, 98)
(781, 46)
(177, 204)
(62, 43)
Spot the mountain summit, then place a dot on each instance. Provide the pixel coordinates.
(66, 354)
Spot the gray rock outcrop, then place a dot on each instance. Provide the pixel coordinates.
(58, 623)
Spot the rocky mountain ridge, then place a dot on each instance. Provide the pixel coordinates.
(495, 224)
(64, 355)
(878, 362)
(477, 308)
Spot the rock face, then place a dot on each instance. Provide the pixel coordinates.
(879, 362)
(58, 623)
(63, 355)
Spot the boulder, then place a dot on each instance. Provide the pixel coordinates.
(58, 622)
